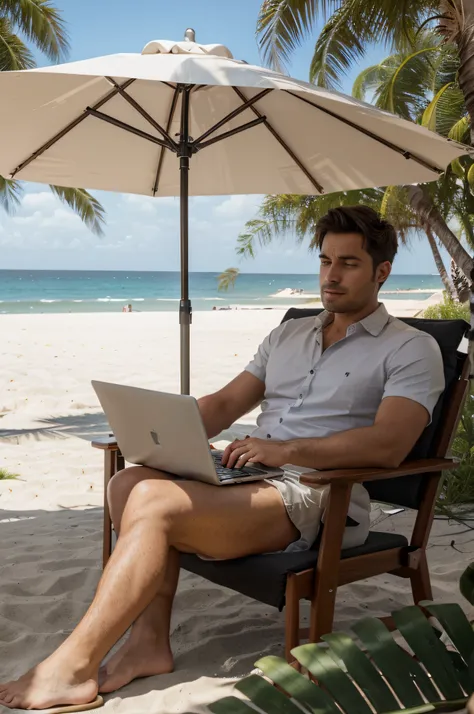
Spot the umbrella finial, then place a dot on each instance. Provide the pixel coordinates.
(190, 35)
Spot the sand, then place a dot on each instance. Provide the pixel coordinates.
(50, 517)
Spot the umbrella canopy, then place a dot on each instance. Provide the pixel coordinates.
(120, 122)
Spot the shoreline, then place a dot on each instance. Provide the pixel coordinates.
(291, 294)
(401, 307)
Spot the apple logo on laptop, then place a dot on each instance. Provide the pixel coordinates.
(155, 438)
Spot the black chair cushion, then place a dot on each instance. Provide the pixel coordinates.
(263, 577)
(408, 491)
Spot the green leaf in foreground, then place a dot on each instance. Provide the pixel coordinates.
(368, 675)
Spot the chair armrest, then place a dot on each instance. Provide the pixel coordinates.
(108, 443)
(408, 468)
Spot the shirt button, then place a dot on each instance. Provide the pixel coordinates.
(311, 371)
(269, 436)
(281, 420)
(301, 396)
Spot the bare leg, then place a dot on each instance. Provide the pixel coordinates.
(147, 651)
(226, 522)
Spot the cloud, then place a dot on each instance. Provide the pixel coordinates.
(146, 204)
(236, 206)
(43, 200)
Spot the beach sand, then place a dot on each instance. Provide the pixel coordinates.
(50, 517)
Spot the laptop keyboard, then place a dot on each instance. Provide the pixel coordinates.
(225, 473)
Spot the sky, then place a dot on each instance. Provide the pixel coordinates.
(143, 233)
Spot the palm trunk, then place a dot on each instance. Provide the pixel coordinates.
(460, 282)
(443, 273)
(421, 203)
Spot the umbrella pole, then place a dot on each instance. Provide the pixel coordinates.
(185, 309)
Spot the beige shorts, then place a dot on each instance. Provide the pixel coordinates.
(306, 506)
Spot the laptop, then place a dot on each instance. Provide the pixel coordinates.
(166, 432)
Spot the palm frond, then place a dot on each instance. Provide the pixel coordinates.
(369, 79)
(338, 47)
(401, 82)
(88, 208)
(445, 110)
(227, 279)
(403, 90)
(283, 24)
(373, 671)
(396, 209)
(10, 194)
(292, 214)
(460, 131)
(429, 115)
(446, 66)
(41, 23)
(394, 23)
(14, 54)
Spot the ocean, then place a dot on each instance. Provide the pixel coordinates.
(58, 291)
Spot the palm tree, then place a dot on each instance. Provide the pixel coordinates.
(418, 90)
(352, 27)
(283, 214)
(40, 23)
(420, 84)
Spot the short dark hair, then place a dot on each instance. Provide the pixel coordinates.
(380, 237)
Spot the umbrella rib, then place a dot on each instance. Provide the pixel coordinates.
(127, 127)
(174, 103)
(406, 154)
(72, 125)
(248, 104)
(228, 134)
(164, 133)
(283, 143)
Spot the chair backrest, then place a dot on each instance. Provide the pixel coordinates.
(436, 440)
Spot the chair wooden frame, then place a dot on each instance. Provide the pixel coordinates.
(319, 584)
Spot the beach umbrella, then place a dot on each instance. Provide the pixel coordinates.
(181, 119)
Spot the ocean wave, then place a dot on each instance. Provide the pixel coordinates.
(50, 301)
(418, 291)
(109, 299)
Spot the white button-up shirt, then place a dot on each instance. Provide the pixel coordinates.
(311, 393)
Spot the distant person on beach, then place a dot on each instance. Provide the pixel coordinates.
(351, 388)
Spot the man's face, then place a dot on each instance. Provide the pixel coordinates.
(346, 278)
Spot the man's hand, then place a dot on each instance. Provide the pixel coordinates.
(270, 453)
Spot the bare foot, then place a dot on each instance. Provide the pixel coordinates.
(49, 684)
(132, 661)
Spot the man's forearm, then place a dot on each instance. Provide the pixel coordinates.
(214, 415)
(365, 447)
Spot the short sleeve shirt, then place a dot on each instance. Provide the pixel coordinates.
(311, 393)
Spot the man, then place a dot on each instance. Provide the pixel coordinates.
(352, 388)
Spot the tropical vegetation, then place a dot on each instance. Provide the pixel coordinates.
(39, 23)
(423, 79)
(369, 671)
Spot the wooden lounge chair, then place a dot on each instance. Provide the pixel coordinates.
(281, 579)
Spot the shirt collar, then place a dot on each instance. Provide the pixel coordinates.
(376, 321)
(373, 323)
